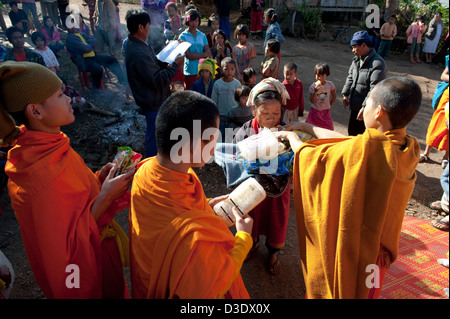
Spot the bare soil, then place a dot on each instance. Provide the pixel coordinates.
(94, 137)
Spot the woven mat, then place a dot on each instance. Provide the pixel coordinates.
(416, 273)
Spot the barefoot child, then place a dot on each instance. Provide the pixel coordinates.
(322, 94)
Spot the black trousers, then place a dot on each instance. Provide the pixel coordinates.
(94, 67)
(355, 126)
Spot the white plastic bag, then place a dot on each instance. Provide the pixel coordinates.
(263, 145)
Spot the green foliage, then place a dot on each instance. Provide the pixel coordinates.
(312, 19)
(425, 8)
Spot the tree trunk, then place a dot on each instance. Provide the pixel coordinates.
(391, 8)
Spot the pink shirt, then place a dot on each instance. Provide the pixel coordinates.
(323, 95)
(50, 37)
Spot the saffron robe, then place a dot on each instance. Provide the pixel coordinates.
(350, 196)
(437, 133)
(52, 191)
(179, 247)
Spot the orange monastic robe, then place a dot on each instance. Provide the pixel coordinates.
(350, 197)
(437, 133)
(179, 247)
(52, 191)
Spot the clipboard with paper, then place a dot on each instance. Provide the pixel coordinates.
(172, 50)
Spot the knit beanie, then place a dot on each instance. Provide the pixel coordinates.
(208, 64)
(22, 83)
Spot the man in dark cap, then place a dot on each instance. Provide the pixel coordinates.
(366, 70)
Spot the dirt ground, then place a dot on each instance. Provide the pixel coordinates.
(94, 135)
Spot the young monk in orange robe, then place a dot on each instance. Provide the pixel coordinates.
(65, 212)
(179, 247)
(350, 194)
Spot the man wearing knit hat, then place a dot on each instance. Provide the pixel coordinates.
(366, 70)
(65, 212)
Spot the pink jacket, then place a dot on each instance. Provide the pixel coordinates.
(50, 37)
(411, 29)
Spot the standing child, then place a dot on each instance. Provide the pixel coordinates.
(249, 77)
(207, 72)
(388, 32)
(173, 25)
(322, 95)
(199, 47)
(223, 92)
(414, 38)
(273, 30)
(270, 63)
(220, 51)
(243, 52)
(294, 106)
(241, 113)
(256, 17)
(47, 54)
(213, 23)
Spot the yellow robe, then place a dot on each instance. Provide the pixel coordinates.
(179, 247)
(350, 195)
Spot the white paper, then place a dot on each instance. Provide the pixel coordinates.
(245, 197)
(172, 50)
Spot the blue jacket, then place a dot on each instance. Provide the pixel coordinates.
(273, 32)
(199, 87)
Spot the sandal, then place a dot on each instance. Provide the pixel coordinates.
(440, 224)
(436, 205)
(274, 268)
(423, 158)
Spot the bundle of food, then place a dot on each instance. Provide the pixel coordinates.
(126, 159)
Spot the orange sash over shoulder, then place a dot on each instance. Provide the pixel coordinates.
(179, 247)
(350, 197)
(52, 191)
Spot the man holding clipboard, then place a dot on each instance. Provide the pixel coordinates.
(148, 77)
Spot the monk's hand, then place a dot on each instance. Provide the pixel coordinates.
(214, 201)
(115, 187)
(292, 137)
(244, 224)
(104, 172)
(294, 126)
